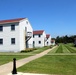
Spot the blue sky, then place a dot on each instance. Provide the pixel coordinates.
(56, 17)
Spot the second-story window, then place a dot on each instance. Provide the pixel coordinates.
(39, 35)
(33, 36)
(12, 27)
(1, 28)
(26, 22)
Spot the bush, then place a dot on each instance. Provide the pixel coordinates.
(28, 50)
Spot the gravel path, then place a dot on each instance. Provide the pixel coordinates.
(7, 68)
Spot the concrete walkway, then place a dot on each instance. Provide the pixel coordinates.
(7, 68)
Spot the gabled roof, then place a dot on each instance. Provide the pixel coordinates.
(11, 20)
(52, 40)
(47, 35)
(37, 32)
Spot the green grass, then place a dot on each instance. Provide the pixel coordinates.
(52, 64)
(53, 50)
(70, 49)
(65, 50)
(59, 50)
(7, 58)
(39, 50)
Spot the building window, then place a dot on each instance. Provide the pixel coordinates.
(12, 27)
(39, 42)
(1, 28)
(26, 22)
(33, 36)
(39, 35)
(12, 40)
(33, 42)
(1, 41)
(47, 38)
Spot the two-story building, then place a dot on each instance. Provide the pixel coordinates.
(39, 38)
(15, 35)
(48, 40)
(52, 42)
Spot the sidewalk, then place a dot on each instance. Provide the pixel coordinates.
(7, 68)
(19, 73)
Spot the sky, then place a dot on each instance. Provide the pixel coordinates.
(56, 17)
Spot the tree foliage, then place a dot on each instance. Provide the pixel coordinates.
(66, 39)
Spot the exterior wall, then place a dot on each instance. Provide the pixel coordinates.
(23, 23)
(30, 29)
(36, 39)
(7, 34)
(19, 34)
(53, 43)
(44, 37)
(48, 42)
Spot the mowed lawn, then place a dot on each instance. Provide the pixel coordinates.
(64, 48)
(53, 64)
(7, 57)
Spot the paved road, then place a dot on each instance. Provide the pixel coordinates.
(7, 68)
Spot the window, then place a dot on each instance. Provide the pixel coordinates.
(1, 41)
(39, 42)
(47, 38)
(47, 43)
(39, 35)
(26, 22)
(12, 40)
(33, 42)
(12, 27)
(1, 28)
(33, 36)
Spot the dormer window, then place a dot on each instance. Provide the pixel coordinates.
(12, 27)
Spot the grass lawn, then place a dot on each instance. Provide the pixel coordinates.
(52, 64)
(60, 49)
(39, 50)
(7, 58)
(64, 48)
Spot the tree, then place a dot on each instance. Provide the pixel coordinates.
(65, 39)
(75, 42)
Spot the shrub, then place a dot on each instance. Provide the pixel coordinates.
(28, 50)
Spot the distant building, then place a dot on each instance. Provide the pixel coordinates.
(52, 42)
(48, 40)
(39, 38)
(15, 35)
